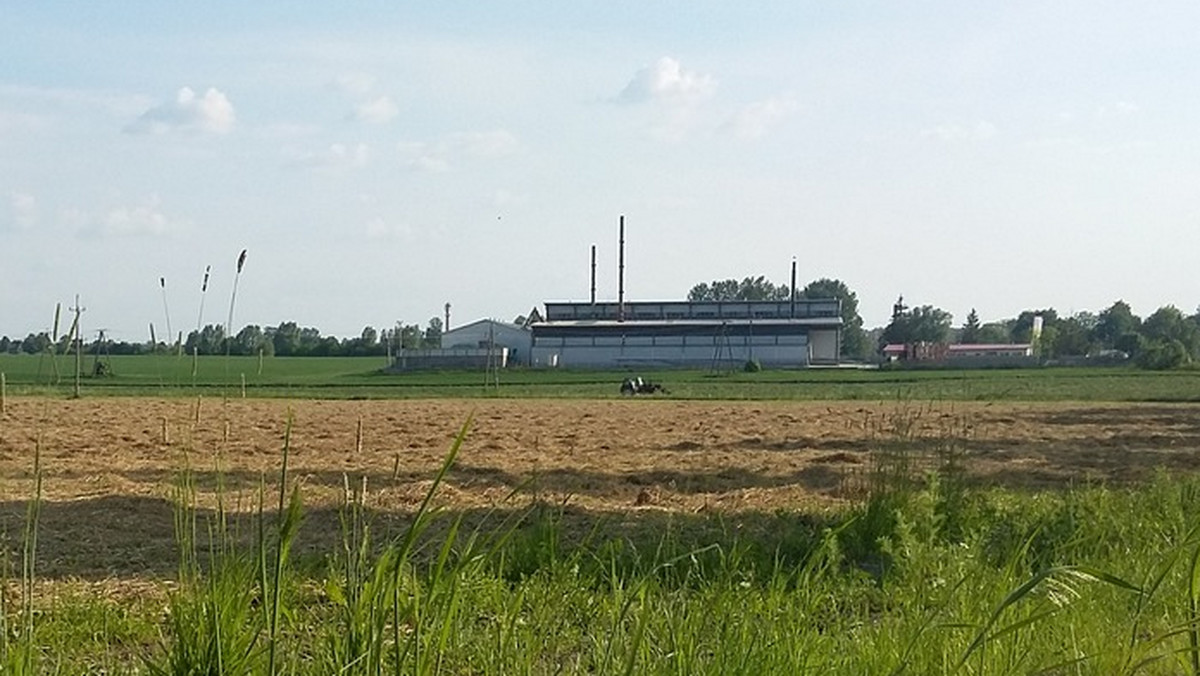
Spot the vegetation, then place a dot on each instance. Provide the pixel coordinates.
(286, 340)
(924, 324)
(925, 574)
(346, 377)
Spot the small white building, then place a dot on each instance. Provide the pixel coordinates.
(485, 333)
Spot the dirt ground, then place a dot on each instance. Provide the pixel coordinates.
(109, 465)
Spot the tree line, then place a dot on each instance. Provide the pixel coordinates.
(288, 339)
(1166, 339)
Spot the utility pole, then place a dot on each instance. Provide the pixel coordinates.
(78, 309)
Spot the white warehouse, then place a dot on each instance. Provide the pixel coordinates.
(489, 333)
(777, 334)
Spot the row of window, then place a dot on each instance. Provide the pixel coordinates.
(667, 341)
(660, 311)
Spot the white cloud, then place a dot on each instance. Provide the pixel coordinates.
(377, 111)
(456, 149)
(19, 122)
(756, 119)
(354, 83)
(137, 220)
(667, 81)
(114, 103)
(24, 210)
(377, 228)
(211, 113)
(503, 198)
(337, 156)
(1118, 109)
(953, 133)
(288, 130)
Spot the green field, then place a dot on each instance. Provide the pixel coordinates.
(361, 377)
(928, 574)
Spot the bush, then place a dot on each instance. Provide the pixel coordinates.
(1162, 355)
(752, 366)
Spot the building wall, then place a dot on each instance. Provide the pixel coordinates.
(696, 356)
(478, 333)
(697, 350)
(687, 334)
(426, 360)
(825, 346)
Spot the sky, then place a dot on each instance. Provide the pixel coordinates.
(378, 160)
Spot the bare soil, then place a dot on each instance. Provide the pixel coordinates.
(110, 466)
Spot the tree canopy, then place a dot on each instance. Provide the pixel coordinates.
(750, 288)
(924, 324)
(854, 338)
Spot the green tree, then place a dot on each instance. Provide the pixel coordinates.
(250, 340)
(1071, 337)
(1168, 324)
(750, 288)
(286, 339)
(854, 338)
(1021, 330)
(35, 343)
(1162, 354)
(971, 329)
(924, 324)
(410, 337)
(1114, 322)
(433, 334)
(208, 340)
(994, 333)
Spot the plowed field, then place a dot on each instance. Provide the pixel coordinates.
(109, 465)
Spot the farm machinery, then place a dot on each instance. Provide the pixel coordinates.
(636, 385)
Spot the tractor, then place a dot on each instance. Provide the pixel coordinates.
(636, 385)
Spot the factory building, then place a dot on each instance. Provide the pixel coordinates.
(777, 334)
(485, 333)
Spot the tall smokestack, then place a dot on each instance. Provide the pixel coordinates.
(621, 275)
(446, 326)
(793, 296)
(593, 274)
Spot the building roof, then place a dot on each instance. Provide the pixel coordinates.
(989, 347)
(486, 321)
(823, 322)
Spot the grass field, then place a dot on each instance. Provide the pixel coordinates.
(932, 522)
(345, 377)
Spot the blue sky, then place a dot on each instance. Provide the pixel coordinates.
(378, 160)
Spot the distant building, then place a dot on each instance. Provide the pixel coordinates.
(688, 334)
(482, 344)
(484, 333)
(965, 354)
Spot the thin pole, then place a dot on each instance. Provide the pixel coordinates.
(78, 345)
(793, 296)
(593, 274)
(621, 274)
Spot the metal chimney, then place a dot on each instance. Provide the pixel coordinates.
(621, 275)
(793, 296)
(593, 274)
(446, 326)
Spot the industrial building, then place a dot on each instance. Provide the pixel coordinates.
(777, 334)
(489, 333)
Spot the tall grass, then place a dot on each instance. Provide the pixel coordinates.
(925, 575)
